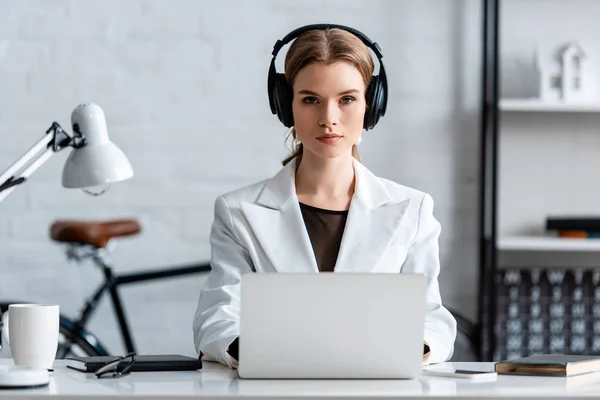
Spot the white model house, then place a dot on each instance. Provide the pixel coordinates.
(565, 75)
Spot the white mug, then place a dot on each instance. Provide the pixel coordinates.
(31, 331)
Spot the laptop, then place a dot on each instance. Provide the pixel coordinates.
(331, 326)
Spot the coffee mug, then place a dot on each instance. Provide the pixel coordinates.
(31, 331)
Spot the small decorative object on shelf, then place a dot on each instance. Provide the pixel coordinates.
(566, 81)
(566, 74)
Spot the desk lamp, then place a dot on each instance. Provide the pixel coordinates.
(95, 162)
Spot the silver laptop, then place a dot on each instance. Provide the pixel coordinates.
(331, 325)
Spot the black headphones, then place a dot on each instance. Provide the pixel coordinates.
(281, 95)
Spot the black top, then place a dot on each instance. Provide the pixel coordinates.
(325, 229)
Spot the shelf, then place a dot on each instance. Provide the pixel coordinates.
(533, 104)
(548, 243)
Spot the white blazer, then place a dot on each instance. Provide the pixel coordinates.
(259, 228)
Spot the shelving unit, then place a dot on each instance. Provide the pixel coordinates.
(524, 308)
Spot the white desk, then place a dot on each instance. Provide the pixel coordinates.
(217, 382)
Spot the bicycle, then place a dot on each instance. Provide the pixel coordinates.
(94, 240)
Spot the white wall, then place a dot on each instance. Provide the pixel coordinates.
(183, 85)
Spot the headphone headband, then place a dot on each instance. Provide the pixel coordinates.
(299, 31)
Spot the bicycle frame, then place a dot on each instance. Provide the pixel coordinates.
(110, 286)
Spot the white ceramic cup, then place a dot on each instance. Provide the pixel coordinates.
(31, 331)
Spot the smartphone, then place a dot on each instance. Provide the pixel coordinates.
(479, 376)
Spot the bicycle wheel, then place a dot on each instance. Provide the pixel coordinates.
(73, 346)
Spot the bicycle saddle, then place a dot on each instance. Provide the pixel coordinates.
(96, 234)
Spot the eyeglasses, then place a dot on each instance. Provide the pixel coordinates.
(117, 368)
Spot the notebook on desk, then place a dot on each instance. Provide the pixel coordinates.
(160, 362)
(550, 365)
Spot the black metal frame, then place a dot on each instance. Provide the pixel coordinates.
(488, 206)
(111, 284)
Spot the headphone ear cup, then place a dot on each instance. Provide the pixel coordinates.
(283, 100)
(373, 99)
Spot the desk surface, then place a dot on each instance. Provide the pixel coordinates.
(218, 382)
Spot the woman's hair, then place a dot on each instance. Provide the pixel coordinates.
(327, 47)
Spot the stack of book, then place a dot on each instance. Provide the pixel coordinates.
(574, 227)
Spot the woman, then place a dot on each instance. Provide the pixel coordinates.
(323, 211)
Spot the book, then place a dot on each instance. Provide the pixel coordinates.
(160, 362)
(550, 365)
(573, 223)
(578, 234)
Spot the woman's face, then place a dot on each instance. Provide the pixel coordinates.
(329, 107)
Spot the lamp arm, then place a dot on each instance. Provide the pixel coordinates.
(53, 141)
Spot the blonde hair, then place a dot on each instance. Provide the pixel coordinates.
(325, 46)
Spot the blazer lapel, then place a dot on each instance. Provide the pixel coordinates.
(277, 222)
(373, 221)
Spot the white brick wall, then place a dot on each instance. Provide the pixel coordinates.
(183, 85)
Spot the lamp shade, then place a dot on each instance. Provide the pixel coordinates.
(99, 162)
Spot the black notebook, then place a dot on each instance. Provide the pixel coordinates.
(583, 223)
(160, 362)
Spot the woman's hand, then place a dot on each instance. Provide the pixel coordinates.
(233, 351)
